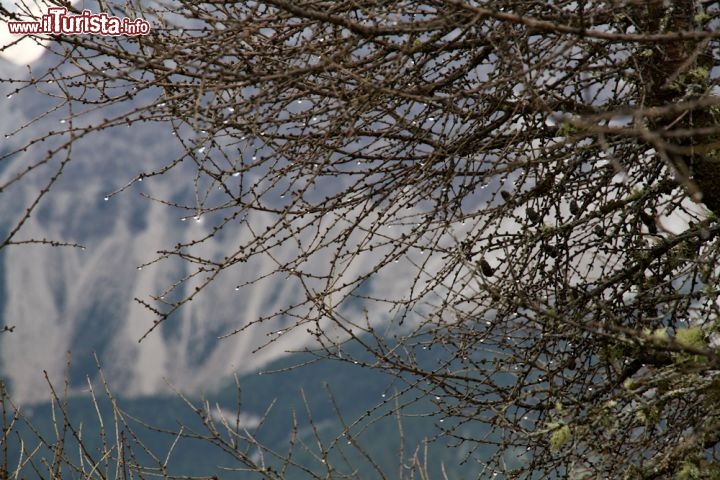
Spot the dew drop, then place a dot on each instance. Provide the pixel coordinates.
(236, 174)
(62, 121)
(201, 149)
(106, 198)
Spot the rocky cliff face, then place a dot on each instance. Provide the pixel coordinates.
(66, 299)
(82, 300)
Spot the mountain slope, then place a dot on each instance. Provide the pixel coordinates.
(82, 301)
(312, 391)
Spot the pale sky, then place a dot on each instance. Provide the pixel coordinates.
(26, 50)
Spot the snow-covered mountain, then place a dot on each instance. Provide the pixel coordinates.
(66, 299)
(81, 300)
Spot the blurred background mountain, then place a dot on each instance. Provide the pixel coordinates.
(72, 303)
(76, 300)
